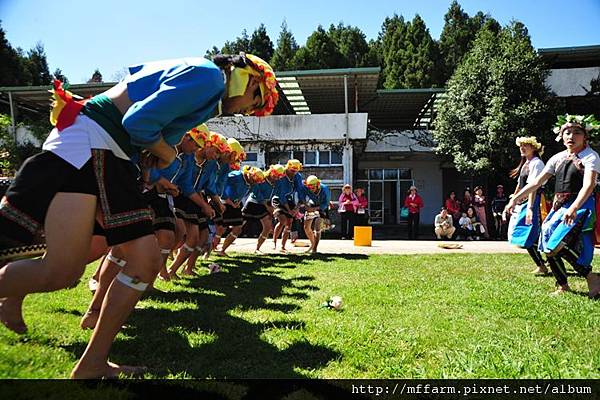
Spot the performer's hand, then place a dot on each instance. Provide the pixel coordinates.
(570, 216)
(528, 216)
(208, 211)
(221, 207)
(165, 186)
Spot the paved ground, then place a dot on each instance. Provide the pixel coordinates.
(385, 247)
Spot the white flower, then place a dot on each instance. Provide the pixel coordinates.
(213, 268)
(335, 302)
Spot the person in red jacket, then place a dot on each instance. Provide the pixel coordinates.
(414, 203)
(453, 206)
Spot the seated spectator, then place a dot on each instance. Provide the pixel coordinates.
(466, 229)
(444, 226)
(478, 228)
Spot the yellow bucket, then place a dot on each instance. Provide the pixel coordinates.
(363, 235)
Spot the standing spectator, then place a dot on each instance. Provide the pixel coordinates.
(414, 203)
(453, 206)
(444, 227)
(347, 205)
(362, 216)
(480, 203)
(498, 203)
(467, 200)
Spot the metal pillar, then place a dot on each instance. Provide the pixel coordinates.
(12, 116)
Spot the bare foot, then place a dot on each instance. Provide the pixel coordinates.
(560, 290)
(11, 314)
(189, 272)
(540, 271)
(221, 253)
(173, 276)
(89, 320)
(257, 251)
(283, 251)
(109, 370)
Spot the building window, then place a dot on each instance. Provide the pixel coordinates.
(336, 158)
(324, 157)
(251, 156)
(310, 158)
(299, 155)
(279, 157)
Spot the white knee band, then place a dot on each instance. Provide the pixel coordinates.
(188, 248)
(233, 236)
(199, 248)
(133, 283)
(115, 260)
(264, 237)
(165, 251)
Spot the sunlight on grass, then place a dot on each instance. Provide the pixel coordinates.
(422, 316)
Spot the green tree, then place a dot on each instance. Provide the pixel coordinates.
(391, 43)
(410, 55)
(351, 43)
(96, 77)
(58, 74)
(320, 52)
(456, 38)
(241, 43)
(422, 62)
(496, 94)
(11, 67)
(287, 47)
(38, 66)
(260, 43)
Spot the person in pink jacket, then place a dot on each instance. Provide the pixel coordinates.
(347, 207)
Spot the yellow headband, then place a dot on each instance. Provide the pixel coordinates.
(276, 171)
(234, 145)
(257, 174)
(294, 165)
(312, 182)
(238, 81)
(220, 142)
(201, 135)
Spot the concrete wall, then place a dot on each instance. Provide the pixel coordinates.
(572, 81)
(292, 127)
(427, 176)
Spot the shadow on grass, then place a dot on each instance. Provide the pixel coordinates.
(195, 329)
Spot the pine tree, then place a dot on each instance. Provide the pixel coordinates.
(96, 77)
(351, 43)
(11, 67)
(38, 66)
(320, 52)
(58, 74)
(241, 43)
(285, 51)
(260, 43)
(422, 57)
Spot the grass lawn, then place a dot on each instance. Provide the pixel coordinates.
(434, 316)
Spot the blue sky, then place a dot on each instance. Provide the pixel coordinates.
(80, 36)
